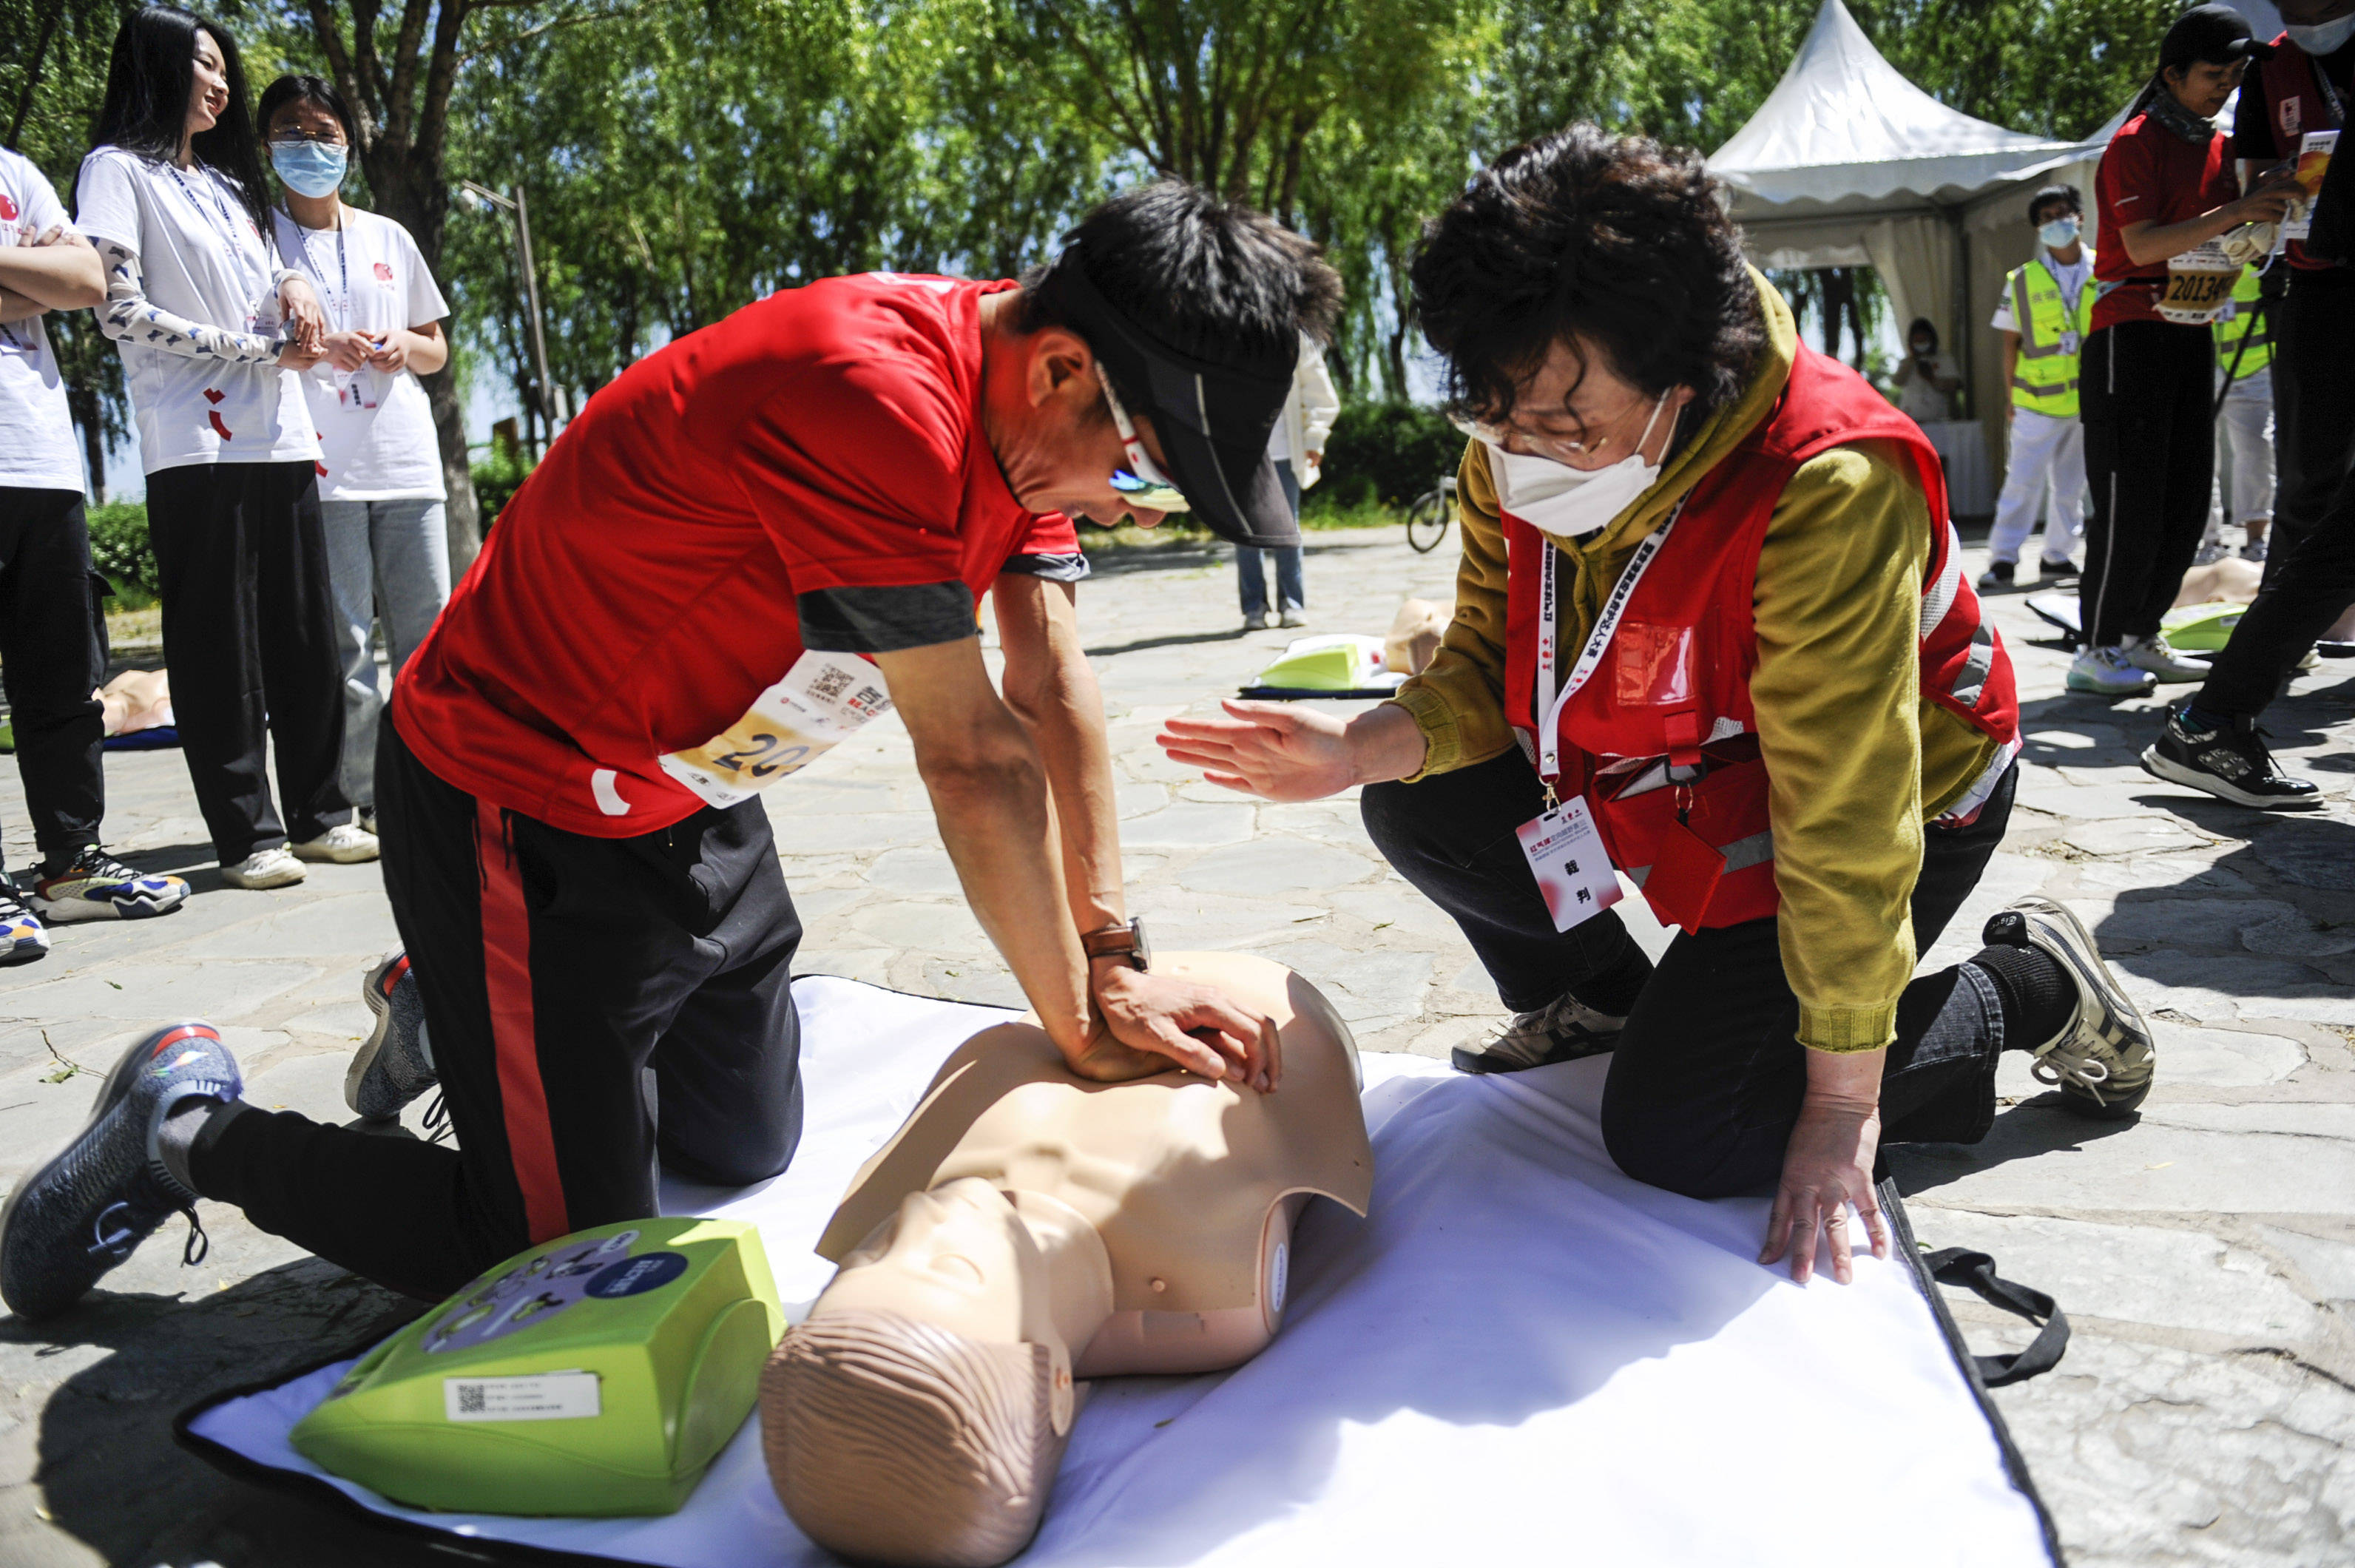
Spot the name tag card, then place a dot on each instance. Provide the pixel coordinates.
(823, 700)
(1566, 854)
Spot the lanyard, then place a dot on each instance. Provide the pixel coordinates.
(2329, 91)
(1550, 704)
(226, 227)
(343, 270)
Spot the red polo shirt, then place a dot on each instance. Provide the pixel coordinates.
(2150, 175)
(809, 473)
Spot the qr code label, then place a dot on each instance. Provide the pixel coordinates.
(830, 684)
(545, 1396)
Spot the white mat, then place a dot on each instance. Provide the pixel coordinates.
(1522, 1356)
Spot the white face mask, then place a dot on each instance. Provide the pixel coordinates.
(2059, 234)
(2323, 37)
(1565, 502)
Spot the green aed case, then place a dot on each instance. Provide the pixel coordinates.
(595, 1374)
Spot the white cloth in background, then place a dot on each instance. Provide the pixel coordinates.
(1309, 413)
(2245, 453)
(205, 261)
(2047, 465)
(375, 431)
(38, 451)
(1970, 478)
(1521, 1357)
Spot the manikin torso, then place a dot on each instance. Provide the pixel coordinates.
(1026, 1228)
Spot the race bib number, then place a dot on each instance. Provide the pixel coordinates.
(2198, 285)
(822, 701)
(1566, 854)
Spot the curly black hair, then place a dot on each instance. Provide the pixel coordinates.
(1612, 243)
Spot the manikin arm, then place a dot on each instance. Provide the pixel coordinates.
(129, 316)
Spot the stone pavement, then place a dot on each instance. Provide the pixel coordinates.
(2205, 1413)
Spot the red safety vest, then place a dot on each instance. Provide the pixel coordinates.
(2297, 99)
(1662, 732)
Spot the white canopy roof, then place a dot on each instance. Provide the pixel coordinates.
(1843, 131)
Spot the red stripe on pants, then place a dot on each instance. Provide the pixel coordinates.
(506, 977)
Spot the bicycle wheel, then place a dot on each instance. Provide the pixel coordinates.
(1426, 521)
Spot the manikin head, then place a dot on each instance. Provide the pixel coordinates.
(935, 1371)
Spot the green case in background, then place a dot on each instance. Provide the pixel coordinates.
(595, 1374)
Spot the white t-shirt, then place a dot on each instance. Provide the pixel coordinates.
(38, 451)
(1919, 401)
(206, 262)
(2072, 282)
(375, 431)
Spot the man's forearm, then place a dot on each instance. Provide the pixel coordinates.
(15, 306)
(1051, 687)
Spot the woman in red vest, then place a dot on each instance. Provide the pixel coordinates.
(1711, 630)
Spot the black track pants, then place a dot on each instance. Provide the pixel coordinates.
(2146, 391)
(2314, 405)
(1706, 1082)
(250, 634)
(50, 640)
(553, 968)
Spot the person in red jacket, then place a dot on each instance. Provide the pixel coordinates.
(751, 543)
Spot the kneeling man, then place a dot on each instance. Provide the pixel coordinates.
(751, 543)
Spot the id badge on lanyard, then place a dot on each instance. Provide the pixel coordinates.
(822, 701)
(1564, 848)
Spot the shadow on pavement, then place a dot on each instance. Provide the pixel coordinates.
(196, 863)
(111, 1476)
(2037, 1127)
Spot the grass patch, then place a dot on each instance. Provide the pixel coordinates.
(1176, 533)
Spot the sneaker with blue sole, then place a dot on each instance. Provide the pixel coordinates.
(23, 938)
(396, 1064)
(87, 1210)
(97, 886)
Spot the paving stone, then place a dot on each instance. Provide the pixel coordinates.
(1369, 990)
(2222, 1059)
(2139, 1273)
(2316, 854)
(217, 990)
(2131, 834)
(919, 872)
(2327, 1261)
(2296, 935)
(1186, 825)
(2200, 986)
(2207, 922)
(349, 923)
(1270, 865)
(2041, 1156)
(2177, 873)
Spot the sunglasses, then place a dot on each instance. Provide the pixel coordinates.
(1140, 483)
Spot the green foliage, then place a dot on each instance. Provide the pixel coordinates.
(497, 477)
(1386, 453)
(120, 550)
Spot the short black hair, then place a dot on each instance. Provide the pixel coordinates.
(288, 90)
(2066, 194)
(1922, 324)
(1585, 236)
(1208, 277)
(149, 78)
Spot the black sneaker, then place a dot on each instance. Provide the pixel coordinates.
(396, 1064)
(2229, 763)
(1562, 1030)
(1997, 576)
(2051, 570)
(84, 1212)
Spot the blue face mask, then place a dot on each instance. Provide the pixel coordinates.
(309, 168)
(2059, 234)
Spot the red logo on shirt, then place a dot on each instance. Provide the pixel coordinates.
(214, 395)
(383, 272)
(8, 209)
(2291, 116)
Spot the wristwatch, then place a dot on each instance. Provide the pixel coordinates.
(1120, 941)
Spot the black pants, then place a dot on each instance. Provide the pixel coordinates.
(2146, 391)
(2313, 406)
(1706, 1082)
(52, 642)
(249, 634)
(2306, 588)
(553, 968)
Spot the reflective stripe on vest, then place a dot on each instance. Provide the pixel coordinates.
(2044, 376)
(2246, 321)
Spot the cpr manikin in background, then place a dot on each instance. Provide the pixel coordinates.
(1026, 1229)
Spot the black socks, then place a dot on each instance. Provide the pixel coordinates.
(191, 1128)
(2039, 996)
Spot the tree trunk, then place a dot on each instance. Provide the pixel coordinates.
(463, 522)
(93, 447)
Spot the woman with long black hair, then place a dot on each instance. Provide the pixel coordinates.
(214, 329)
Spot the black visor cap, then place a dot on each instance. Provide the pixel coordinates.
(2215, 34)
(1213, 421)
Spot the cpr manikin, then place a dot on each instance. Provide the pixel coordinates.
(1026, 1229)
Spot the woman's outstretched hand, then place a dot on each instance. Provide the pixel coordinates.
(1826, 1167)
(1280, 751)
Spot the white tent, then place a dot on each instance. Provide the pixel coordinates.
(1848, 164)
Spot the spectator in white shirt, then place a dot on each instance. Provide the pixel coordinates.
(214, 331)
(1297, 445)
(380, 484)
(1926, 379)
(49, 633)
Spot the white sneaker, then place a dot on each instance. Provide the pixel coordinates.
(1256, 622)
(2152, 654)
(2209, 552)
(275, 867)
(2254, 550)
(2106, 673)
(1292, 618)
(346, 845)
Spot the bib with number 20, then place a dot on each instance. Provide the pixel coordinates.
(822, 701)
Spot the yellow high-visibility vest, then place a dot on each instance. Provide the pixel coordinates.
(2051, 334)
(2228, 333)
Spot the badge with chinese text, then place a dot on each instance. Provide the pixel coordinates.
(1573, 870)
(822, 701)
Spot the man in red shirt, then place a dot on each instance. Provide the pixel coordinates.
(2168, 201)
(751, 542)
